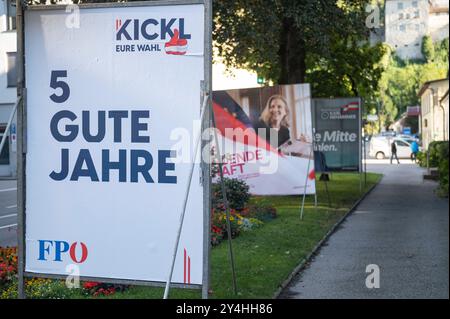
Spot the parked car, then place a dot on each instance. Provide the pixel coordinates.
(380, 147)
(408, 137)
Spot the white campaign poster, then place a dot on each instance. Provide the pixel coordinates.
(265, 138)
(104, 191)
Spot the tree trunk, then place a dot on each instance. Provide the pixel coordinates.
(292, 55)
(283, 52)
(354, 86)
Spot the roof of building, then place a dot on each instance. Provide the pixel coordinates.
(427, 84)
(413, 110)
(439, 3)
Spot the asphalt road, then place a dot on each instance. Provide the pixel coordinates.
(402, 227)
(8, 213)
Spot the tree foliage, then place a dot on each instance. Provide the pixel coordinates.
(402, 80)
(428, 48)
(275, 37)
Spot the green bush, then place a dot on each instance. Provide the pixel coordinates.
(220, 222)
(438, 157)
(437, 150)
(263, 212)
(39, 288)
(442, 151)
(443, 178)
(422, 159)
(237, 194)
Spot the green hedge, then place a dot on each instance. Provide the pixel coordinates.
(439, 152)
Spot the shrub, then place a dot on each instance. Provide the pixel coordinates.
(439, 157)
(443, 178)
(442, 150)
(237, 194)
(93, 288)
(238, 223)
(216, 234)
(219, 224)
(437, 150)
(40, 288)
(8, 266)
(263, 212)
(422, 159)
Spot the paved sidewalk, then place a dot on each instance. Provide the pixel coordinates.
(402, 227)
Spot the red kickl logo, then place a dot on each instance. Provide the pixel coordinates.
(176, 46)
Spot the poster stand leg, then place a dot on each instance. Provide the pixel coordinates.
(225, 201)
(365, 163)
(21, 150)
(186, 196)
(328, 194)
(306, 181)
(360, 182)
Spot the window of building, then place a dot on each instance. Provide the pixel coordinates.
(417, 14)
(426, 123)
(12, 69)
(408, 16)
(400, 6)
(417, 26)
(10, 15)
(403, 28)
(4, 154)
(415, 4)
(400, 16)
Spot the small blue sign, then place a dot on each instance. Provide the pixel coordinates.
(407, 130)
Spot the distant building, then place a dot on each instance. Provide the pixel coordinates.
(8, 79)
(438, 24)
(434, 111)
(408, 21)
(408, 120)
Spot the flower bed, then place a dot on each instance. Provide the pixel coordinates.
(243, 217)
(8, 266)
(96, 289)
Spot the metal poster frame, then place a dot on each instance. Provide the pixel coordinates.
(361, 169)
(359, 118)
(22, 142)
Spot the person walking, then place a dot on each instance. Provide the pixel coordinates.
(414, 151)
(394, 152)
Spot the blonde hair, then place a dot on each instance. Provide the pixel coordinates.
(265, 115)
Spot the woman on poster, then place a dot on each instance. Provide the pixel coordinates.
(274, 121)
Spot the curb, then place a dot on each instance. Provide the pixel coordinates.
(319, 245)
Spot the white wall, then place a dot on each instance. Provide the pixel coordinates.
(406, 42)
(434, 114)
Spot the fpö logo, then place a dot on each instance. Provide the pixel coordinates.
(171, 32)
(55, 250)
